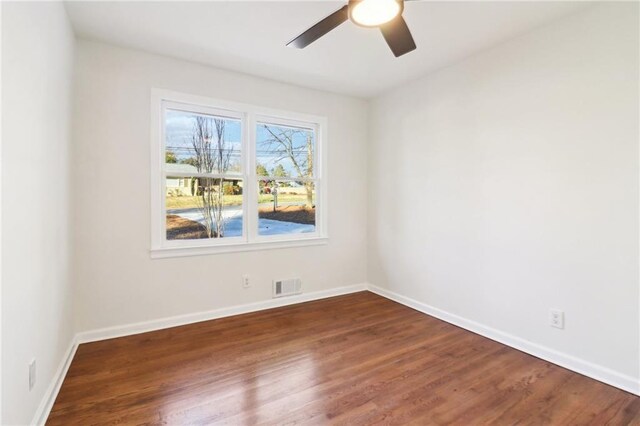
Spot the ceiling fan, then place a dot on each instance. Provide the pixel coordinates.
(383, 14)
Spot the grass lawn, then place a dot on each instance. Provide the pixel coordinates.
(233, 200)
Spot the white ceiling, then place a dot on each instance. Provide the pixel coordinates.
(250, 37)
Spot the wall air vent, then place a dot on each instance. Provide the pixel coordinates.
(287, 287)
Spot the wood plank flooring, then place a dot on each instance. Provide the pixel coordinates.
(358, 359)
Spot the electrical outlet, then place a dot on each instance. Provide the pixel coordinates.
(556, 318)
(245, 281)
(32, 374)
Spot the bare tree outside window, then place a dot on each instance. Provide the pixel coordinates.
(212, 155)
(284, 143)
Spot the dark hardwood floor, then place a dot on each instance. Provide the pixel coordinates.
(355, 360)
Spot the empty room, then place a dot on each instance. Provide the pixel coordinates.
(356, 212)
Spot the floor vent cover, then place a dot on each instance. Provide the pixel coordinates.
(287, 287)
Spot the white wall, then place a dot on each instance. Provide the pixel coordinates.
(37, 312)
(117, 282)
(507, 184)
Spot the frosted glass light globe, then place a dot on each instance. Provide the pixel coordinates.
(373, 13)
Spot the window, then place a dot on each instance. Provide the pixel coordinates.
(232, 177)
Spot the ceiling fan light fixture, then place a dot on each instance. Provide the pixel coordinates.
(383, 14)
(373, 13)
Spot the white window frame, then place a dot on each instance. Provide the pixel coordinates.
(249, 115)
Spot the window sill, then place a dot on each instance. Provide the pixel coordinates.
(166, 252)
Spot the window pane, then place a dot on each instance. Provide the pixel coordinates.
(284, 151)
(286, 207)
(198, 143)
(200, 208)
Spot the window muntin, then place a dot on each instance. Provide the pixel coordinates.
(242, 213)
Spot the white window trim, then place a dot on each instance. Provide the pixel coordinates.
(250, 115)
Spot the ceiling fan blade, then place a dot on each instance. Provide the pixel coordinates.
(320, 29)
(398, 36)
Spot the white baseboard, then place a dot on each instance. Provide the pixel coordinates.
(586, 368)
(46, 404)
(143, 327)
